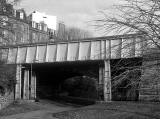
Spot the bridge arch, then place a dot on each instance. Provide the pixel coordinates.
(103, 49)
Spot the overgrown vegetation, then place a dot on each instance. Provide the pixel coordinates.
(135, 17)
(126, 85)
(7, 78)
(126, 77)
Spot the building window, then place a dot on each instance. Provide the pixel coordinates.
(33, 37)
(37, 24)
(22, 39)
(15, 11)
(17, 14)
(40, 26)
(33, 24)
(45, 27)
(21, 15)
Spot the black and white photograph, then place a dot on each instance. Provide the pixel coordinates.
(79, 59)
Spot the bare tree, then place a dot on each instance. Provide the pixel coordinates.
(133, 16)
(129, 17)
(73, 33)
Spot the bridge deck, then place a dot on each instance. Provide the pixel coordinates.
(89, 49)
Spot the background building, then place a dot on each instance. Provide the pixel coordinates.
(42, 27)
(18, 28)
(39, 17)
(14, 26)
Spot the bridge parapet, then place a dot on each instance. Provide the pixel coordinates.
(91, 49)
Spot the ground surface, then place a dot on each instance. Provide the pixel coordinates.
(111, 110)
(114, 110)
(40, 110)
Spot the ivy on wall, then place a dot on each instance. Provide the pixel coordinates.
(7, 78)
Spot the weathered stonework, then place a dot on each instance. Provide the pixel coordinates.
(107, 81)
(150, 81)
(18, 82)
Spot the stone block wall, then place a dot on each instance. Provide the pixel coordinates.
(5, 100)
(150, 80)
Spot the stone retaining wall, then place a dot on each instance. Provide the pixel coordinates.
(150, 82)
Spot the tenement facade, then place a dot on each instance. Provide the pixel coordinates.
(17, 28)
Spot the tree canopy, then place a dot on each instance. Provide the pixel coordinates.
(74, 33)
(133, 16)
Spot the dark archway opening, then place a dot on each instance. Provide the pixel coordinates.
(52, 78)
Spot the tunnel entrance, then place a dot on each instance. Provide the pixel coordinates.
(84, 79)
(51, 78)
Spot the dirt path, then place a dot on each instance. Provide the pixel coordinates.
(48, 108)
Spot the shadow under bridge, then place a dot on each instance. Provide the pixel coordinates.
(72, 79)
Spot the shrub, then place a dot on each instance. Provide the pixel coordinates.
(126, 85)
(81, 86)
(7, 78)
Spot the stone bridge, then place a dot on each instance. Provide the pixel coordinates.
(95, 49)
(101, 48)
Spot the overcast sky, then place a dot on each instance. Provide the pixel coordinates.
(73, 12)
